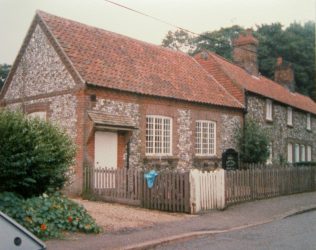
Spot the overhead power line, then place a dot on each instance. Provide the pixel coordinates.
(168, 23)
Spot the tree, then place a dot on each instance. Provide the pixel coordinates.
(179, 40)
(219, 41)
(34, 156)
(296, 44)
(252, 143)
(4, 71)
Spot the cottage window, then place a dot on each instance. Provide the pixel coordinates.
(303, 153)
(289, 116)
(269, 110)
(308, 122)
(269, 160)
(296, 153)
(158, 135)
(309, 153)
(39, 114)
(205, 143)
(290, 153)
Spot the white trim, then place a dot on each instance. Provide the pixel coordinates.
(208, 138)
(303, 153)
(296, 153)
(269, 110)
(290, 153)
(42, 115)
(308, 121)
(270, 158)
(289, 116)
(309, 153)
(154, 117)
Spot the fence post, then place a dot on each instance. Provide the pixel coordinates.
(195, 192)
(220, 187)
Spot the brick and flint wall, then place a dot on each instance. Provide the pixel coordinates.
(183, 116)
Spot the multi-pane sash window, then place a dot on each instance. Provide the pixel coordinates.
(269, 160)
(303, 153)
(269, 109)
(289, 116)
(309, 153)
(308, 121)
(158, 135)
(290, 153)
(39, 114)
(296, 153)
(205, 135)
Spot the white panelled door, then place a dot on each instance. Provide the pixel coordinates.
(105, 149)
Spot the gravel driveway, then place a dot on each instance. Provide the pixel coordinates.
(115, 217)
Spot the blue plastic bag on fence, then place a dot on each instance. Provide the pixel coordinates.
(150, 178)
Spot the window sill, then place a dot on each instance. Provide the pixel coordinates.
(162, 157)
(205, 157)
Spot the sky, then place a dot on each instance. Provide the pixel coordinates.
(196, 15)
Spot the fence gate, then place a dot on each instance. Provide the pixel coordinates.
(115, 185)
(171, 192)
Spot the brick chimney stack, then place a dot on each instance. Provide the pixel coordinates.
(245, 52)
(284, 74)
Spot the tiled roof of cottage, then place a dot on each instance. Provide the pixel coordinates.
(106, 59)
(236, 80)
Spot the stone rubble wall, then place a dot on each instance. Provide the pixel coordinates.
(280, 133)
(40, 70)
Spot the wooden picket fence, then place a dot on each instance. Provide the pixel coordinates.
(193, 191)
(170, 192)
(261, 183)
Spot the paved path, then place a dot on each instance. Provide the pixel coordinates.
(233, 218)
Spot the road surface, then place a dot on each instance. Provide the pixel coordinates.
(297, 232)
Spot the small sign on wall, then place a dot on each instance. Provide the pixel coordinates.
(230, 159)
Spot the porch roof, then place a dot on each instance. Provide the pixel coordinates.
(101, 119)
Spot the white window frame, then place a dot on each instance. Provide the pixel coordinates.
(296, 153)
(42, 115)
(290, 153)
(153, 150)
(308, 122)
(270, 158)
(269, 110)
(289, 116)
(199, 145)
(303, 154)
(309, 153)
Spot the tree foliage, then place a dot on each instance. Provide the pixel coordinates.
(34, 155)
(296, 44)
(252, 143)
(4, 71)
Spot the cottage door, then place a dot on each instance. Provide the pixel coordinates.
(105, 151)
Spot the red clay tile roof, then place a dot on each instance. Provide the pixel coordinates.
(235, 79)
(114, 61)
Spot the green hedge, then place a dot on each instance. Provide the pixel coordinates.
(34, 155)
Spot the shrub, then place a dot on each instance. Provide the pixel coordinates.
(47, 216)
(252, 143)
(34, 155)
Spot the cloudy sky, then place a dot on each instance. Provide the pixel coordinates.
(195, 15)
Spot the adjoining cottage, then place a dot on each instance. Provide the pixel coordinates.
(125, 103)
(289, 117)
